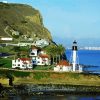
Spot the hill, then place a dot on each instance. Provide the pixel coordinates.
(20, 21)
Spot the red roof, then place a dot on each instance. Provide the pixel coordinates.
(43, 56)
(64, 63)
(25, 59)
(25, 63)
(34, 47)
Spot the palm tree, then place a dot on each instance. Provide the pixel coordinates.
(50, 50)
(55, 52)
(16, 50)
(60, 51)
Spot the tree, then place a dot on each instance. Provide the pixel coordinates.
(50, 50)
(55, 52)
(21, 51)
(60, 51)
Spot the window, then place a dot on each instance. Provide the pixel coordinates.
(32, 53)
(34, 58)
(18, 64)
(34, 61)
(38, 62)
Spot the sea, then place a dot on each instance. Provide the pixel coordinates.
(89, 58)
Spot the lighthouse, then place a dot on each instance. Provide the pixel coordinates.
(74, 56)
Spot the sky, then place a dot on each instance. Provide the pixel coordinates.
(69, 20)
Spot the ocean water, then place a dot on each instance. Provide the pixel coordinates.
(91, 58)
(60, 97)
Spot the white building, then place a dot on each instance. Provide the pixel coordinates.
(75, 60)
(6, 39)
(15, 32)
(74, 56)
(41, 43)
(22, 44)
(22, 63)
(63, 65)
(39, 57)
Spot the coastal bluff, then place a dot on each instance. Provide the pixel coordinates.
(19, 21)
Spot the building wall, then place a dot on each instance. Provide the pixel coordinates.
(57, 69)
(33, 53)
(66, 68)
(40, 61)
(7, 39)
(41, 42)
(19, 64)
(62, 68)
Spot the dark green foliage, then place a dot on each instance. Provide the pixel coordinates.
(5, 62)
(11, 73)
(24, 22)
(56, 52)
(21, 74)
(43, 68)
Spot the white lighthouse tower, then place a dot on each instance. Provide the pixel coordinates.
(74, 56)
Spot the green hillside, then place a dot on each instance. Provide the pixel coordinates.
(17, 20)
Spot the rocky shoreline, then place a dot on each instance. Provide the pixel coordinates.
(47, 89)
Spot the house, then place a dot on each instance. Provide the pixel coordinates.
(34, 51)
(15, 32)
(22, 44)
(41, 42)
(22, 63)
(43, 59)
(39, 57)
(63, 65)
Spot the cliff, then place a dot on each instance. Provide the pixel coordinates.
(20, 20)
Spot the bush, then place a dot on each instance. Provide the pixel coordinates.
(21, 74)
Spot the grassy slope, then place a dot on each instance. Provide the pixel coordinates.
(44, 77)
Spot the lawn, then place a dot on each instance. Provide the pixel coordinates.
(49, 67)
(5, 62)
(44, 77)
(50, 77)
